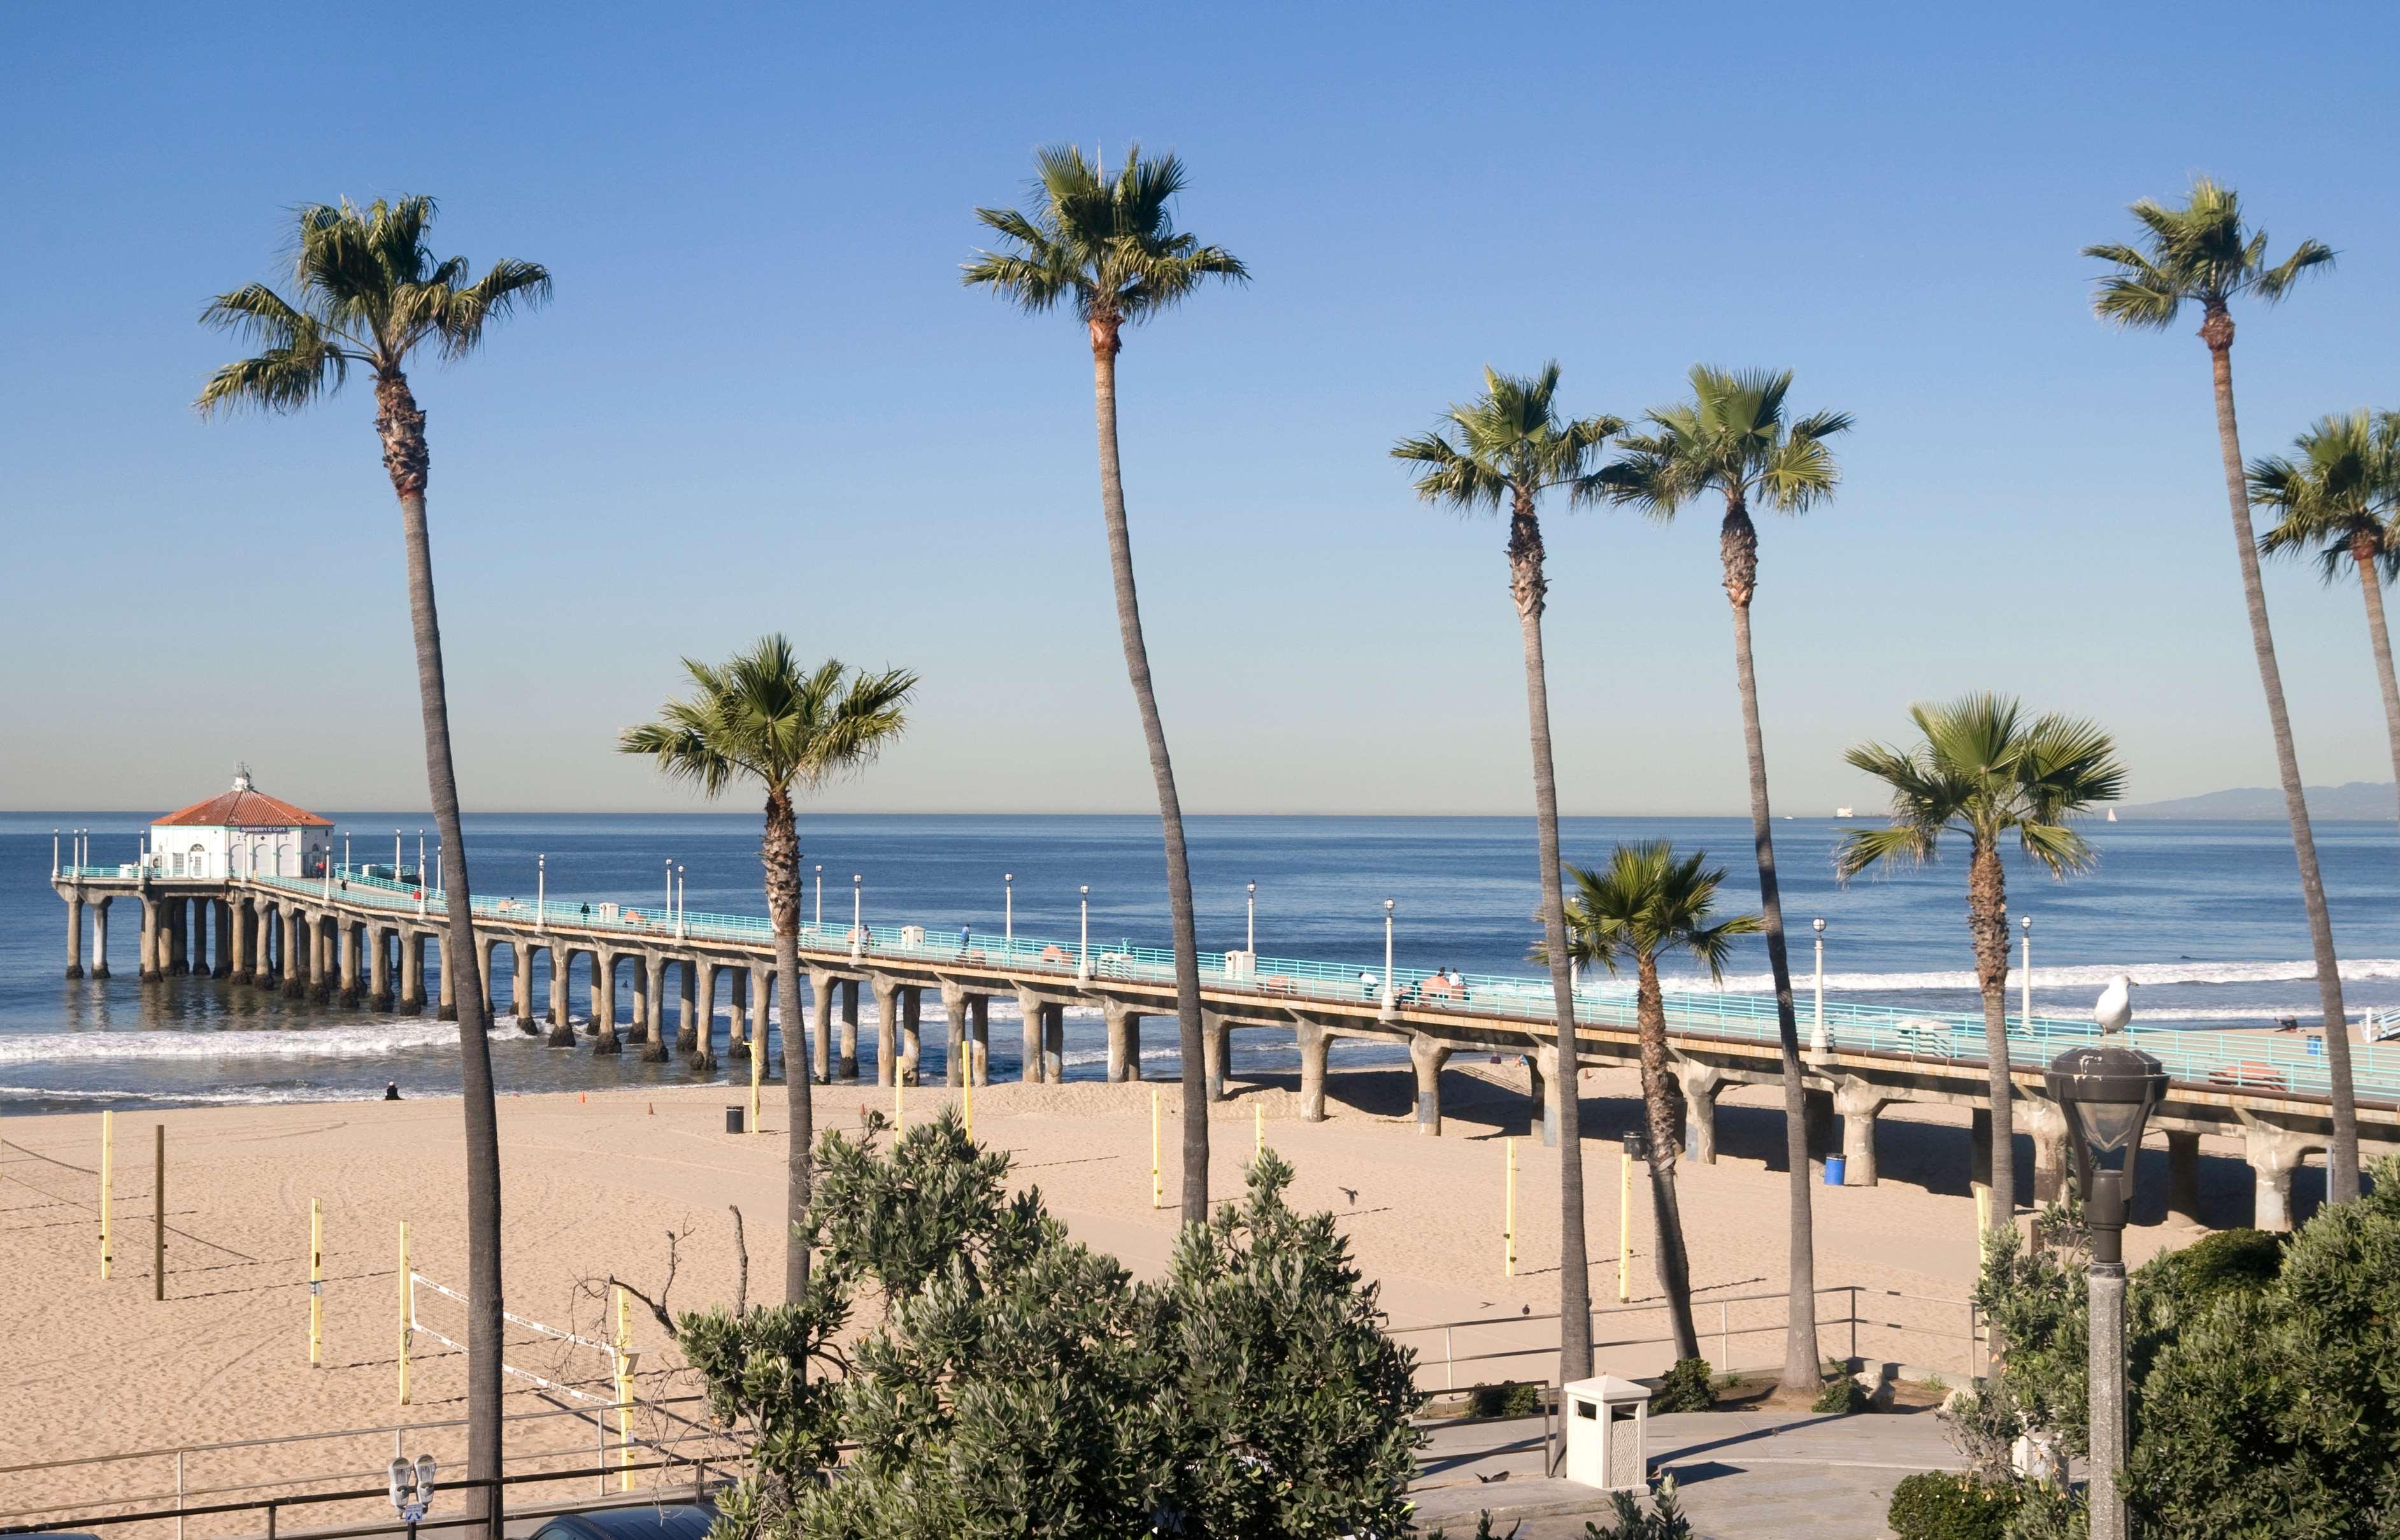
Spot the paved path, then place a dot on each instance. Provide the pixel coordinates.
(1741, 1474)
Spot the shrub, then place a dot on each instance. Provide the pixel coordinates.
(1664, 1521)
(1841, 1397)
(1685, 1388)
(1940, 1504)
(1509, 1398)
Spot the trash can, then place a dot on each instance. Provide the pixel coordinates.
(1836, 1170)
(1607, 1426)
(733, 1120)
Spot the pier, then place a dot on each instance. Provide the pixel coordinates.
(353, 937)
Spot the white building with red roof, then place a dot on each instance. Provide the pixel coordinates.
(240, 833)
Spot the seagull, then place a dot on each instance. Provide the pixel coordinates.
(2115, 1006)
(1349, 1196)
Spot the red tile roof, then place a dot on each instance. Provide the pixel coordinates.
(241, 808)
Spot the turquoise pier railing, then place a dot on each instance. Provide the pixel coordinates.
(2199, 1058)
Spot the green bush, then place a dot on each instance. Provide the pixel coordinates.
(1841, 1396)
(1664, 1521)
(1509, 1398)
(1940, 1504)
(1685, 1388)
(2247, 1260)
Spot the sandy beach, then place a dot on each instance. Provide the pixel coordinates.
(595, 1183)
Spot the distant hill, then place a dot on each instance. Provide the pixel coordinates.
(2358, 799)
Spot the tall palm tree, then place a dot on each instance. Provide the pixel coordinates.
(2203, 254)
(1648, 901)
(2342, 497)
(368, 291)
(1106, 246)
(759, 717)
(1984, 772)
(1509, 445)
(1731, 439)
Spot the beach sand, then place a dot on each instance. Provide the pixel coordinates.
(595, 1184)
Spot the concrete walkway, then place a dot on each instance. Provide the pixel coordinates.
(1741, 1475)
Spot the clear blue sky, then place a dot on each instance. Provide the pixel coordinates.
(761, 399)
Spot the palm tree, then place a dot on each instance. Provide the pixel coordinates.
(368, 291)
(760, 718)
(1985, 772)
(2342, 497)
(1107, 248)
(1648, 901)
(2203, 254)
(1510, 445)
(1730, 438)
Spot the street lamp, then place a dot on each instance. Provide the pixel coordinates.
(2107, 1092)
(1084, 947)
(1817, 1041)
(820, 896)
(1250, 938)
(1388, 1000)
(679, 901)
(857, 932)
(668, 913)
(540, 890)
(2024, 924)
(1008, 909)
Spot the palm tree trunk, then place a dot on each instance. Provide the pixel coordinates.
(1988, 927)
(2378, 637)
(781, 856)
(1527, 587)
(402, 428)
(1802, 1370)
(2342, 1160)
(1662, 1095)
(1162, 770)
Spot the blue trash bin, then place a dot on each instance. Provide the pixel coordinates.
(1836, 1169)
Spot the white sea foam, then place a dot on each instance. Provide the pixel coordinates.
(2357, 970)
(256, 1096)
(374, 1039)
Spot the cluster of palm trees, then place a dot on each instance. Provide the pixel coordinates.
(369, 292)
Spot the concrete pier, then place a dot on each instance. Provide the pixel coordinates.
(305, 937)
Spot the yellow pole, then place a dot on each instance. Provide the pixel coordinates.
(1158, 1189)
(758, 1060)
(1624, 1230)
(624, 1391)
(316, 1282)
(966, 1093)
(1260, 1112)
(1509, 1233)
(404, 1332)
(107, 1184)
(899, 1116)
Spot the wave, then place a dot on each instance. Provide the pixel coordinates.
(259, 1095)
(371, 1040)
(2357, 970)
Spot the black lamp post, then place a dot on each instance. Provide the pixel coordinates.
(2108, 1094)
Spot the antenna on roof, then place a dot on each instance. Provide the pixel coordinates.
(241, 776)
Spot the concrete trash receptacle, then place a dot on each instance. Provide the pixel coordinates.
(1607, 1429)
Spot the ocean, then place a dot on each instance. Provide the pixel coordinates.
(2205, 916)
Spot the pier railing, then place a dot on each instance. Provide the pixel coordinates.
(2246, 1064)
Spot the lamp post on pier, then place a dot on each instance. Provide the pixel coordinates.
(2108, 1094)
(1390, 1000)
(540, 891)
(679, 903)
(1008, 909)
(1084, 947)
(857, 914)
(1251, 935)
(2025, 925)
(1818, 1044)
(820, 896)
